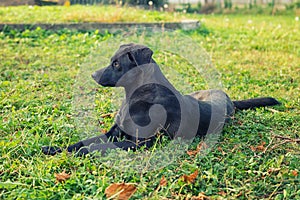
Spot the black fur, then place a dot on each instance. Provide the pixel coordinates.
(255, 103)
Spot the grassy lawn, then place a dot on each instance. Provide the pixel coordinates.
(59, 14)
(257, 156)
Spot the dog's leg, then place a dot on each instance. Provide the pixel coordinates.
(124, 145)
(111, 136)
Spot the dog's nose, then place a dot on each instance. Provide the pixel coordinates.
(94, 75)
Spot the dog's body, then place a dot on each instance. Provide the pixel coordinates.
(152, 104)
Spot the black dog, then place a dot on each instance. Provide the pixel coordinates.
(153, 105)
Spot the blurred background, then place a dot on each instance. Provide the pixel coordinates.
(186, 6)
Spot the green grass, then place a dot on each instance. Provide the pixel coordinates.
(255, 55)
(60, 14)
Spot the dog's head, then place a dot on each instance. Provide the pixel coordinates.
(126, 58)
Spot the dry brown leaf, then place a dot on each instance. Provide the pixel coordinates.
(192, 152)
(272, 170)
(190, 178)
(201, 196)
(221, 150)
(163, 181)
(61, 177)
(222, 193)
(252, 148)
(200, 146)
(240, 123)
(120, 191)
(294, 173)
(260, 147)
(239, 194)
(110, 115)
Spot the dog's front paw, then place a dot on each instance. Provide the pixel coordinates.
(51, 150)
(82, 152)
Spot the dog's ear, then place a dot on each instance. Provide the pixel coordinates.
(141, 56)
(130, 56)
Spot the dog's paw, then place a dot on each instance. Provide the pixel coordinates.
(51, 150)
(82, 152)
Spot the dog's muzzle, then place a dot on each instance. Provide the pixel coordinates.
(94, 76)
(97, 75)
(104, 77)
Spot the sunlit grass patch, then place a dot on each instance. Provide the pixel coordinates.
(60, 14)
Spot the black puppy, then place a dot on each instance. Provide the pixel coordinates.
(153, 105)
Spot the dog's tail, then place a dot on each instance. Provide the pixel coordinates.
(255, 103)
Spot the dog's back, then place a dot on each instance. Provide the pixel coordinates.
(215, 108)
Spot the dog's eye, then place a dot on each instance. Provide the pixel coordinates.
(116, 65)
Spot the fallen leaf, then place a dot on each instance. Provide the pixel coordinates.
(120, 191)
(222, 193)
(163, 181)
(190, 178)
(239, 194)
(294, 173)
(221, 150)
(201, 196)
(61, 177)
(272, 170)
(110, 115)
(192, 152)
(200, 146)
(260, 147)
(252, 148)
